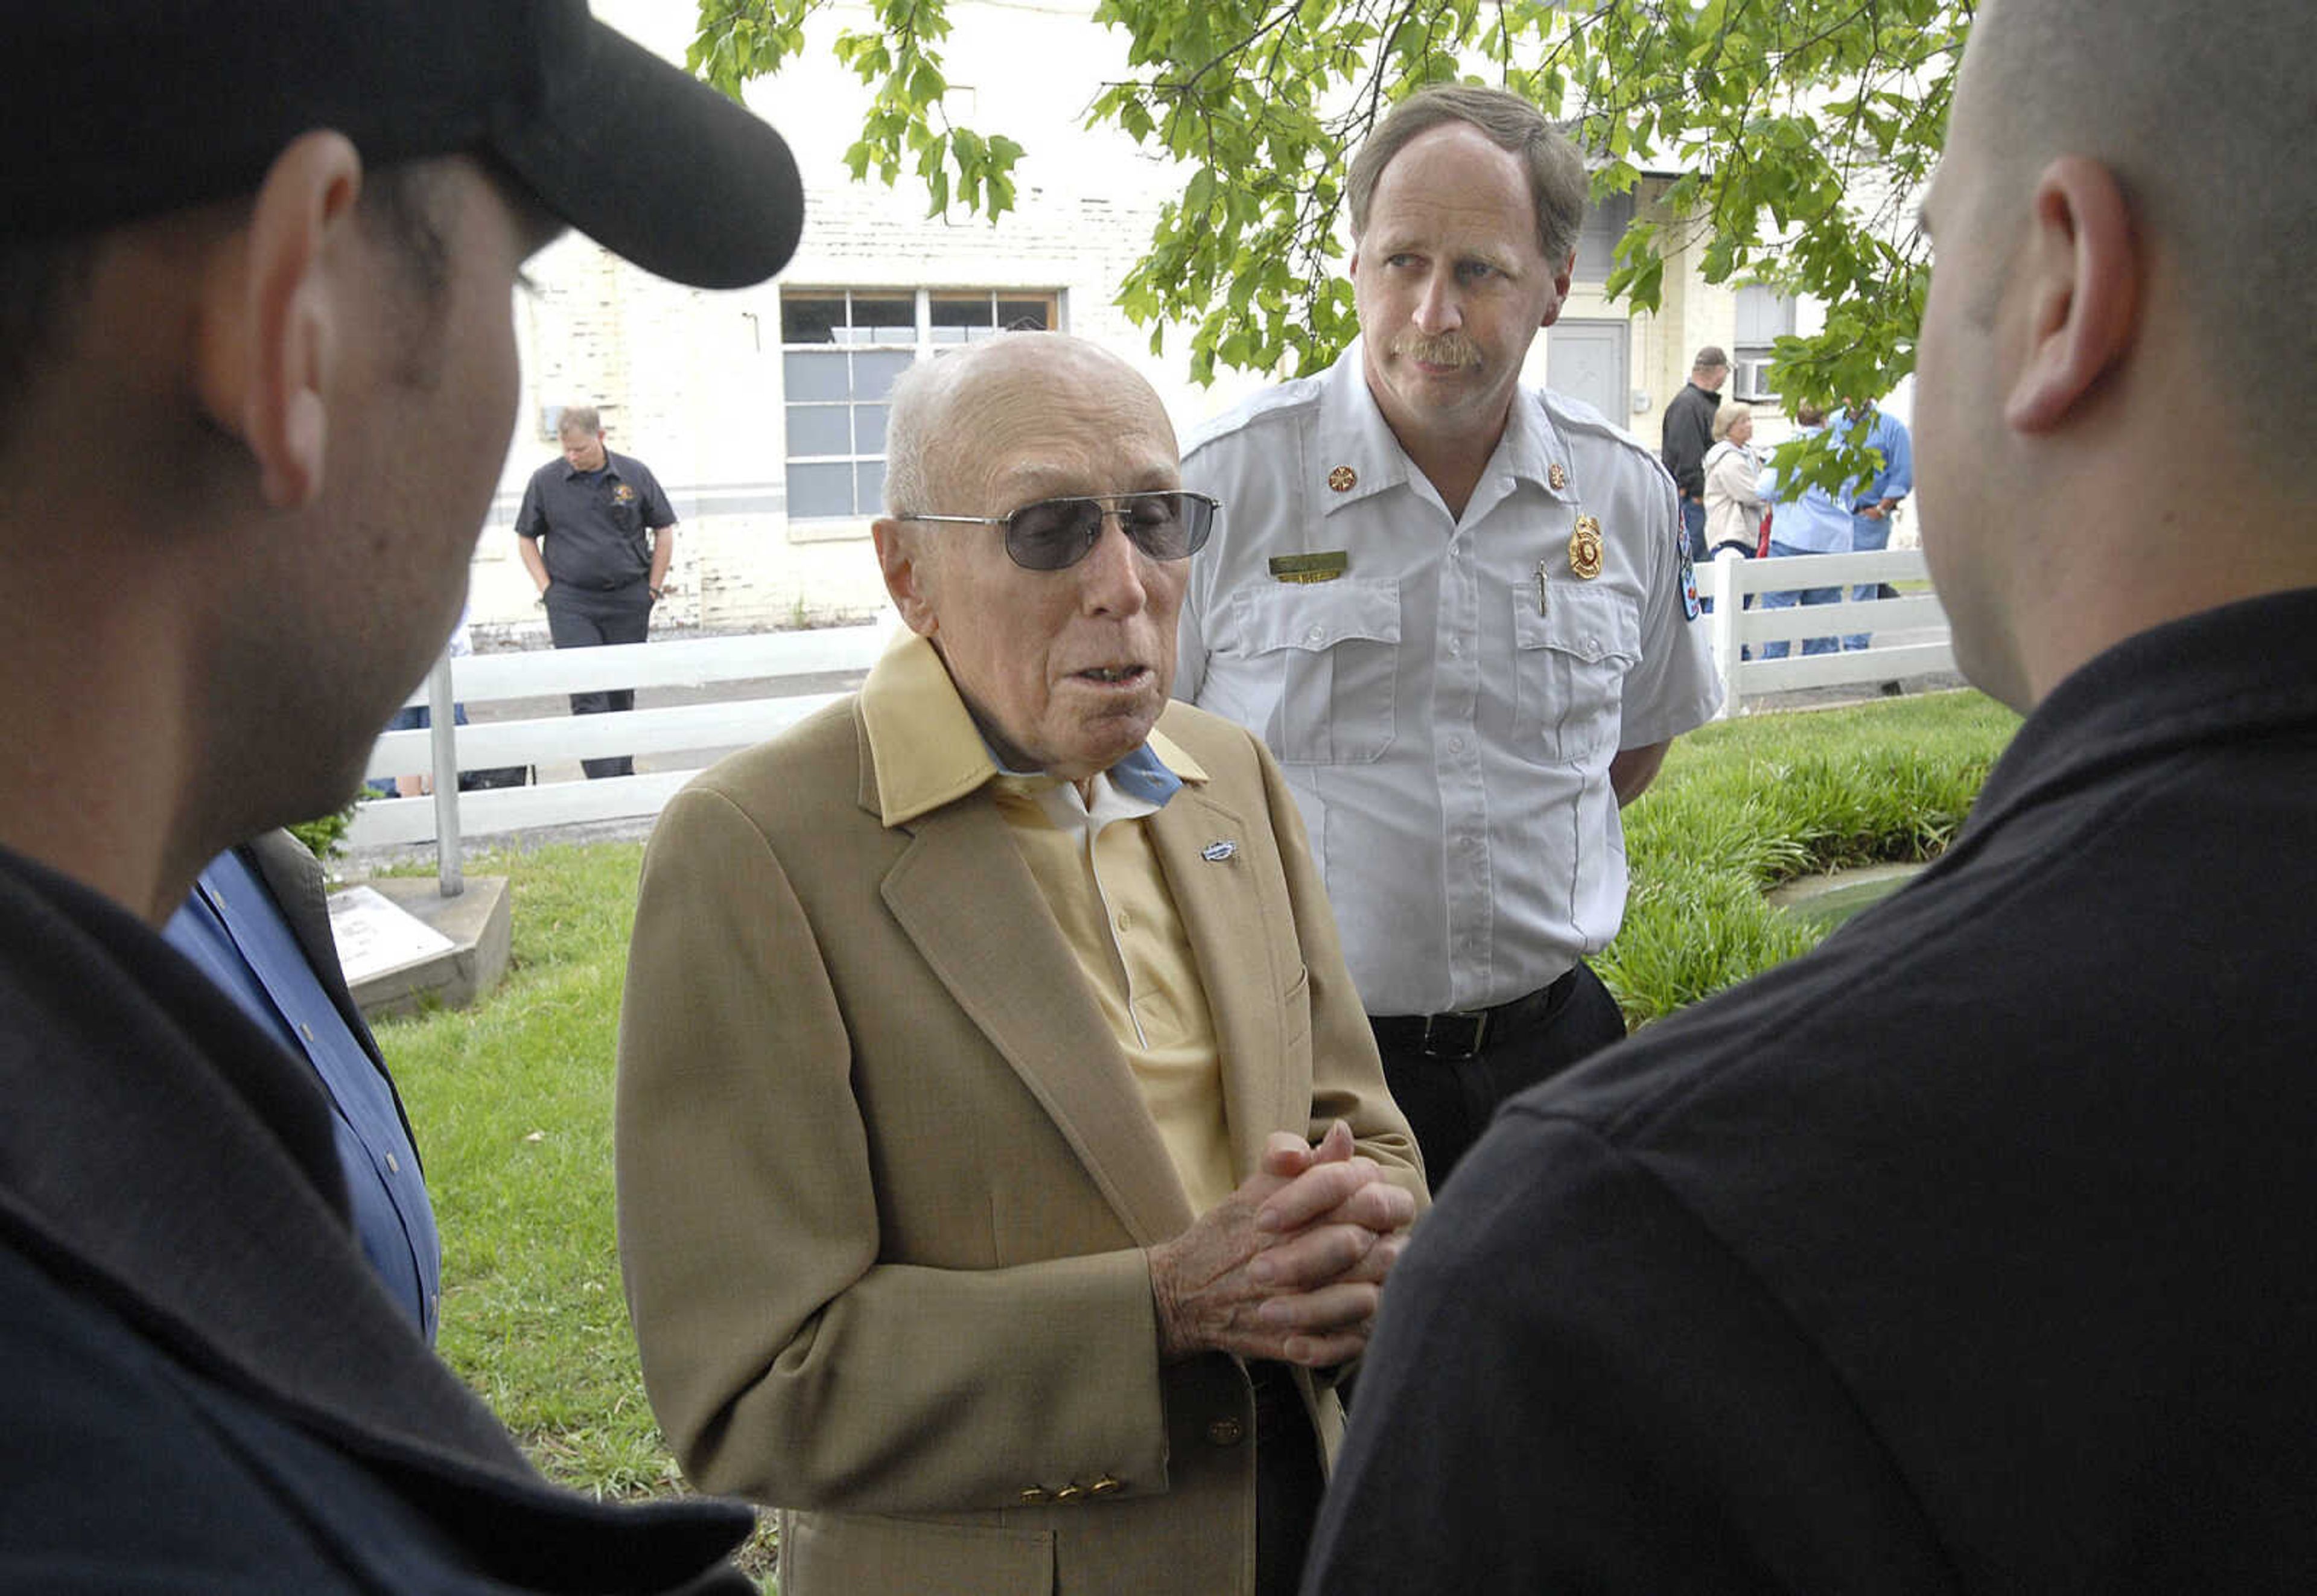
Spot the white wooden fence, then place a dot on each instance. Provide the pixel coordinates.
(1910, 640)
(1911, 635)
(444, 748)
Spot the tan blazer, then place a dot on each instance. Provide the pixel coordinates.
(885, 1176)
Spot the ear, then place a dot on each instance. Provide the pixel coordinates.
(907, 575)
(271, 318)
(2083, 273)
(1561, 281)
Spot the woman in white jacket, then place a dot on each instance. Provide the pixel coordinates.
(1733, 503)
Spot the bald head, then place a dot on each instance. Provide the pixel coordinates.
(951, 418)
(2204, 116)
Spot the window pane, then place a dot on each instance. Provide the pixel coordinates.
(809, 318)
(815, 374)
(874, 370)
(889, 320)
(957, 310)
(819, 429)
(1020, 315)
(870, 474)
(819, 491)
(1605, 223)
(953, 335)
(869, 429)
(1763, 314)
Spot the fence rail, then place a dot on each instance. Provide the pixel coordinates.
(1910, 633)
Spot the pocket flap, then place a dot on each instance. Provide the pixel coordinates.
(1594, 624)
(1317, 616)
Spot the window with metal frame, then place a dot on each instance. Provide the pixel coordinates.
(840, 351)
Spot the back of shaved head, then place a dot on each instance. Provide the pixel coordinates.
(2204, 114)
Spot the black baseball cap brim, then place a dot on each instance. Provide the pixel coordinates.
(130, 108)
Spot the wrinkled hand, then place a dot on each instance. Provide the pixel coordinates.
(1289, 1265)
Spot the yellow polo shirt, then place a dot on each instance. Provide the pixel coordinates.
(1092, 859)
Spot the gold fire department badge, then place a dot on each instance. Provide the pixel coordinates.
(1585, 548)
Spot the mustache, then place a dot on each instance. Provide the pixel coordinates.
(1439, 349)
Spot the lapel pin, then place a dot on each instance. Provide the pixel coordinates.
(1342, 479)
(1215, 852)
(1555, 478)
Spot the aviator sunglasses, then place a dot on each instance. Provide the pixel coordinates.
(1055, 534)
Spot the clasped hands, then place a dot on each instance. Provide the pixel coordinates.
(1289, 1267)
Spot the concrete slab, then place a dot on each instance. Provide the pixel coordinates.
(478, 923)
(1835, 897)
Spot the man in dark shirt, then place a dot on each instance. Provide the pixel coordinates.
(596, 536)
(1688, 431)
(1970, 1252)
(257, 351)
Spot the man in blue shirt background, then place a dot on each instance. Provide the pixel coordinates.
(257, 925)
(1872, 504)
(1808, 521)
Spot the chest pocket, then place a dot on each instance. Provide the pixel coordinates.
(1569, 673)
(1335, 650)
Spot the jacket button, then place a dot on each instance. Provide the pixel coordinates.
(1035, 1496)
(1106, 1486)
(1226, 1432)
(1070, 1493)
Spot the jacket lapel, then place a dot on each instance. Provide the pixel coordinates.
(1238, 947)
(964, 896)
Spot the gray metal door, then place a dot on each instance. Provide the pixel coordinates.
(1586, 360)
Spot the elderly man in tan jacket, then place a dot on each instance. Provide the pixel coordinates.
(1005, 1162)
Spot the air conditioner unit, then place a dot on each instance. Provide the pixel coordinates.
(1750, 378)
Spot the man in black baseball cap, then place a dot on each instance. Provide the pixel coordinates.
(257, 376)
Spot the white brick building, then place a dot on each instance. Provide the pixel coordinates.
(757, 409)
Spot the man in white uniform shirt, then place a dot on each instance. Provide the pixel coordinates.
(1460, 613)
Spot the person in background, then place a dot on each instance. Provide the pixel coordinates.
(1687, 432)
(597, 534)
(1970, 1252)
(1803, 520)
(258, 353)
(1875, 499)
(1734, 497)
(257, 922)
(1460, 612)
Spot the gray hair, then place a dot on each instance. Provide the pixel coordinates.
(1556, 170)
(1728, 414)
(578, 420)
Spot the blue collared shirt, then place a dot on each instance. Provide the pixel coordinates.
(232, 928)
(1896, 479)
(1812, 521)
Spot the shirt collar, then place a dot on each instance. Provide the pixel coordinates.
(1352, 433)
(928, 753)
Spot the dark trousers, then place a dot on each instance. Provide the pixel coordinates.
(1287, 1480)
(579, 620)
(1449, 1100)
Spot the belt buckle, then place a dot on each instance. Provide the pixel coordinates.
(1456, 1035)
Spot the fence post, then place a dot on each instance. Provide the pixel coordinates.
(443, 724)
(1728, 604)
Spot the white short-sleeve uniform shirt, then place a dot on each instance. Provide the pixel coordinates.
(1446, 707)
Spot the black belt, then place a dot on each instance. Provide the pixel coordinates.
(1463, 1033)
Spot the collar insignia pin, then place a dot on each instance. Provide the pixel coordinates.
(1342, 479)
(1555, 478)
(1215, 852)
(1585, 548)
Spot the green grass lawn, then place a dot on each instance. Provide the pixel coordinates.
(511, 1101)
